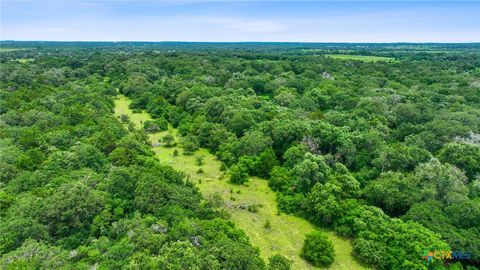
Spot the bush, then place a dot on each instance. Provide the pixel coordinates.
(253, 208)
(223, 167)
(279, 179)
(156, 125)
(199, 160)
(279, 262)
(290, 203)
(162, 124)
(124, 118)
(266, 161)
(238, 174)
(267, 225)
(318, 249)
(190, 144)
(168, 140)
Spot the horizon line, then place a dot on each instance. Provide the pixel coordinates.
(252, 41)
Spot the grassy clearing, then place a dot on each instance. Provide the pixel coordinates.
(364, 58)
(286, 233)
(25, 60)
(10, 49)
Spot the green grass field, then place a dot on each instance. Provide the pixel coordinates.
(25, 60)
(287, 232)
(10, 49)
(364, 58)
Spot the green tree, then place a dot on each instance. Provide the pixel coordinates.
(280, 179)
(199, 160)
(463, 155)
(324, 202)
(15, 230)
(310, 171)
(180, 255)
(35, 255)
(131, 149)
(394, 192)
(265, 163)
(293, 155)
(156, 191)
(238, 174)
(190, 144)
(156, 125)
(71, 209)
(168, 140)
(253, 143)
(441, 182)
(318, 249)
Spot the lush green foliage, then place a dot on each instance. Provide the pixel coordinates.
(156, 125)
(79, 191)
(238, 174)
(385, 153)
(279, 262)
(318, 249)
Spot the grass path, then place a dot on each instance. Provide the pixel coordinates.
(286, 234)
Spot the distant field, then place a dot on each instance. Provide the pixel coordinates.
(365, 58)
(10, 49)
(287, 232)
(24, 60)
(426, 51)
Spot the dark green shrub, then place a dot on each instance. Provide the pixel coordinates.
(238, 174)
(156, 125)
(279, 262)
(318, 249)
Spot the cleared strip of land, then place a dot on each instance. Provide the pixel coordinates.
(286, 233)
(364, 58)
(10, 49)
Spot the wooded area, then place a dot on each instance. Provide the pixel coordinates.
(384, 152)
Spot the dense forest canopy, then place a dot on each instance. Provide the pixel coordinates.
(386, 153)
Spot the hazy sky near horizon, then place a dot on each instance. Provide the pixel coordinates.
(197, 20)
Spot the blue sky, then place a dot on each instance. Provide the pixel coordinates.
(196, 20)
